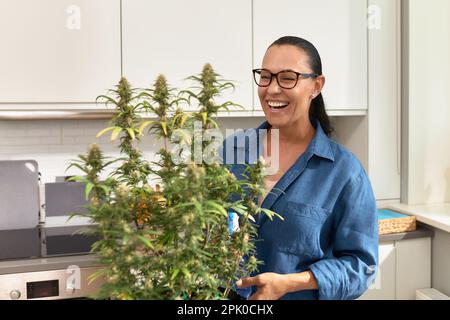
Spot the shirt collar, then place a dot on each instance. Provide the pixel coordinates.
(320, 144)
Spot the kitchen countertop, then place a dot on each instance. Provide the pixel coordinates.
(435, 215)
(45, 264)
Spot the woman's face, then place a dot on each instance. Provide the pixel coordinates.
(294, 102)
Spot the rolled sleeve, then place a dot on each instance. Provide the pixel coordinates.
(348, 273)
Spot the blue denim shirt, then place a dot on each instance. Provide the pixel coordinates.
(330, 224)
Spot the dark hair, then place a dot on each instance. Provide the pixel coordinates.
(317, 108)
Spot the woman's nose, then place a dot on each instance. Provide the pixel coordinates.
(273, 86)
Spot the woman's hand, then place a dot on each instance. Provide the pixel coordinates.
(270, 286)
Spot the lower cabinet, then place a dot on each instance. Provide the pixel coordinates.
(404, 267)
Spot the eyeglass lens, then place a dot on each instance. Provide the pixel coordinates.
(286, 79)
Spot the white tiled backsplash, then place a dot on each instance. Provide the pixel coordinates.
(54, 143)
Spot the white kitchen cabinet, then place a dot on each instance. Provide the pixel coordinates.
(404, 267)
(413, 267)
(383, 288)
(58, 51)
(337, 28)
(177, 37)
(384, 99)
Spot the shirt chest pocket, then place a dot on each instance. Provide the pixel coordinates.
(299, 233)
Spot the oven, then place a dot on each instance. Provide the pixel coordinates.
(42, 254)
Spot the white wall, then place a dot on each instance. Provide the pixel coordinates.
(429, 102)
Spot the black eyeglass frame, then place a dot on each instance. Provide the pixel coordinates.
(304, 75)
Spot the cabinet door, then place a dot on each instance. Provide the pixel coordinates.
(337, 28)
(384, 99)
(177, 37)
(58, 51)
(383, 287)
(413, 267)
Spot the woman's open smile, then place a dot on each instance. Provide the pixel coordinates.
(277, 105)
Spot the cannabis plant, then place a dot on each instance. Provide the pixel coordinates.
(163, 226)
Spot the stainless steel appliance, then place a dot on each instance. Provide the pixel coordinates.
(41, 258)
(46, 263)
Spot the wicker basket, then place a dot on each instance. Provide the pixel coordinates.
(398, 223)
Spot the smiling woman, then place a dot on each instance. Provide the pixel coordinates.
(327, 245)
(298, 71)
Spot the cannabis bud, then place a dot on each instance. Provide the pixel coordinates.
(124, 89)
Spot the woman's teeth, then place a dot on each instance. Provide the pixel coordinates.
(277, 104)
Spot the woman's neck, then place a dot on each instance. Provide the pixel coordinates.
(296, 134)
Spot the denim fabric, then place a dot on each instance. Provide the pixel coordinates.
(330, 224)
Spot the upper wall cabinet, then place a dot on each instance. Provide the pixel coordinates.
(177, 37)
(337, 28)
(384, 100)
(58, 51)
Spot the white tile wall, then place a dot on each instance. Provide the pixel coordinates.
(54, 143)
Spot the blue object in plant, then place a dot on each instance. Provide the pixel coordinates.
(233, 222)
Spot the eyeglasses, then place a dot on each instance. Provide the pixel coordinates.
(286, 79)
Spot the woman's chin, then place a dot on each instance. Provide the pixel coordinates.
(276, 120)
(278, 115)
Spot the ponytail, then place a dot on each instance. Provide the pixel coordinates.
(317, 111)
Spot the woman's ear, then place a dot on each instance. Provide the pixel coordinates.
(319, 82)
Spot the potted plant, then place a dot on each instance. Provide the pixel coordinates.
(163, 227)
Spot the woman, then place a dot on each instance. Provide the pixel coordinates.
(327, 245)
